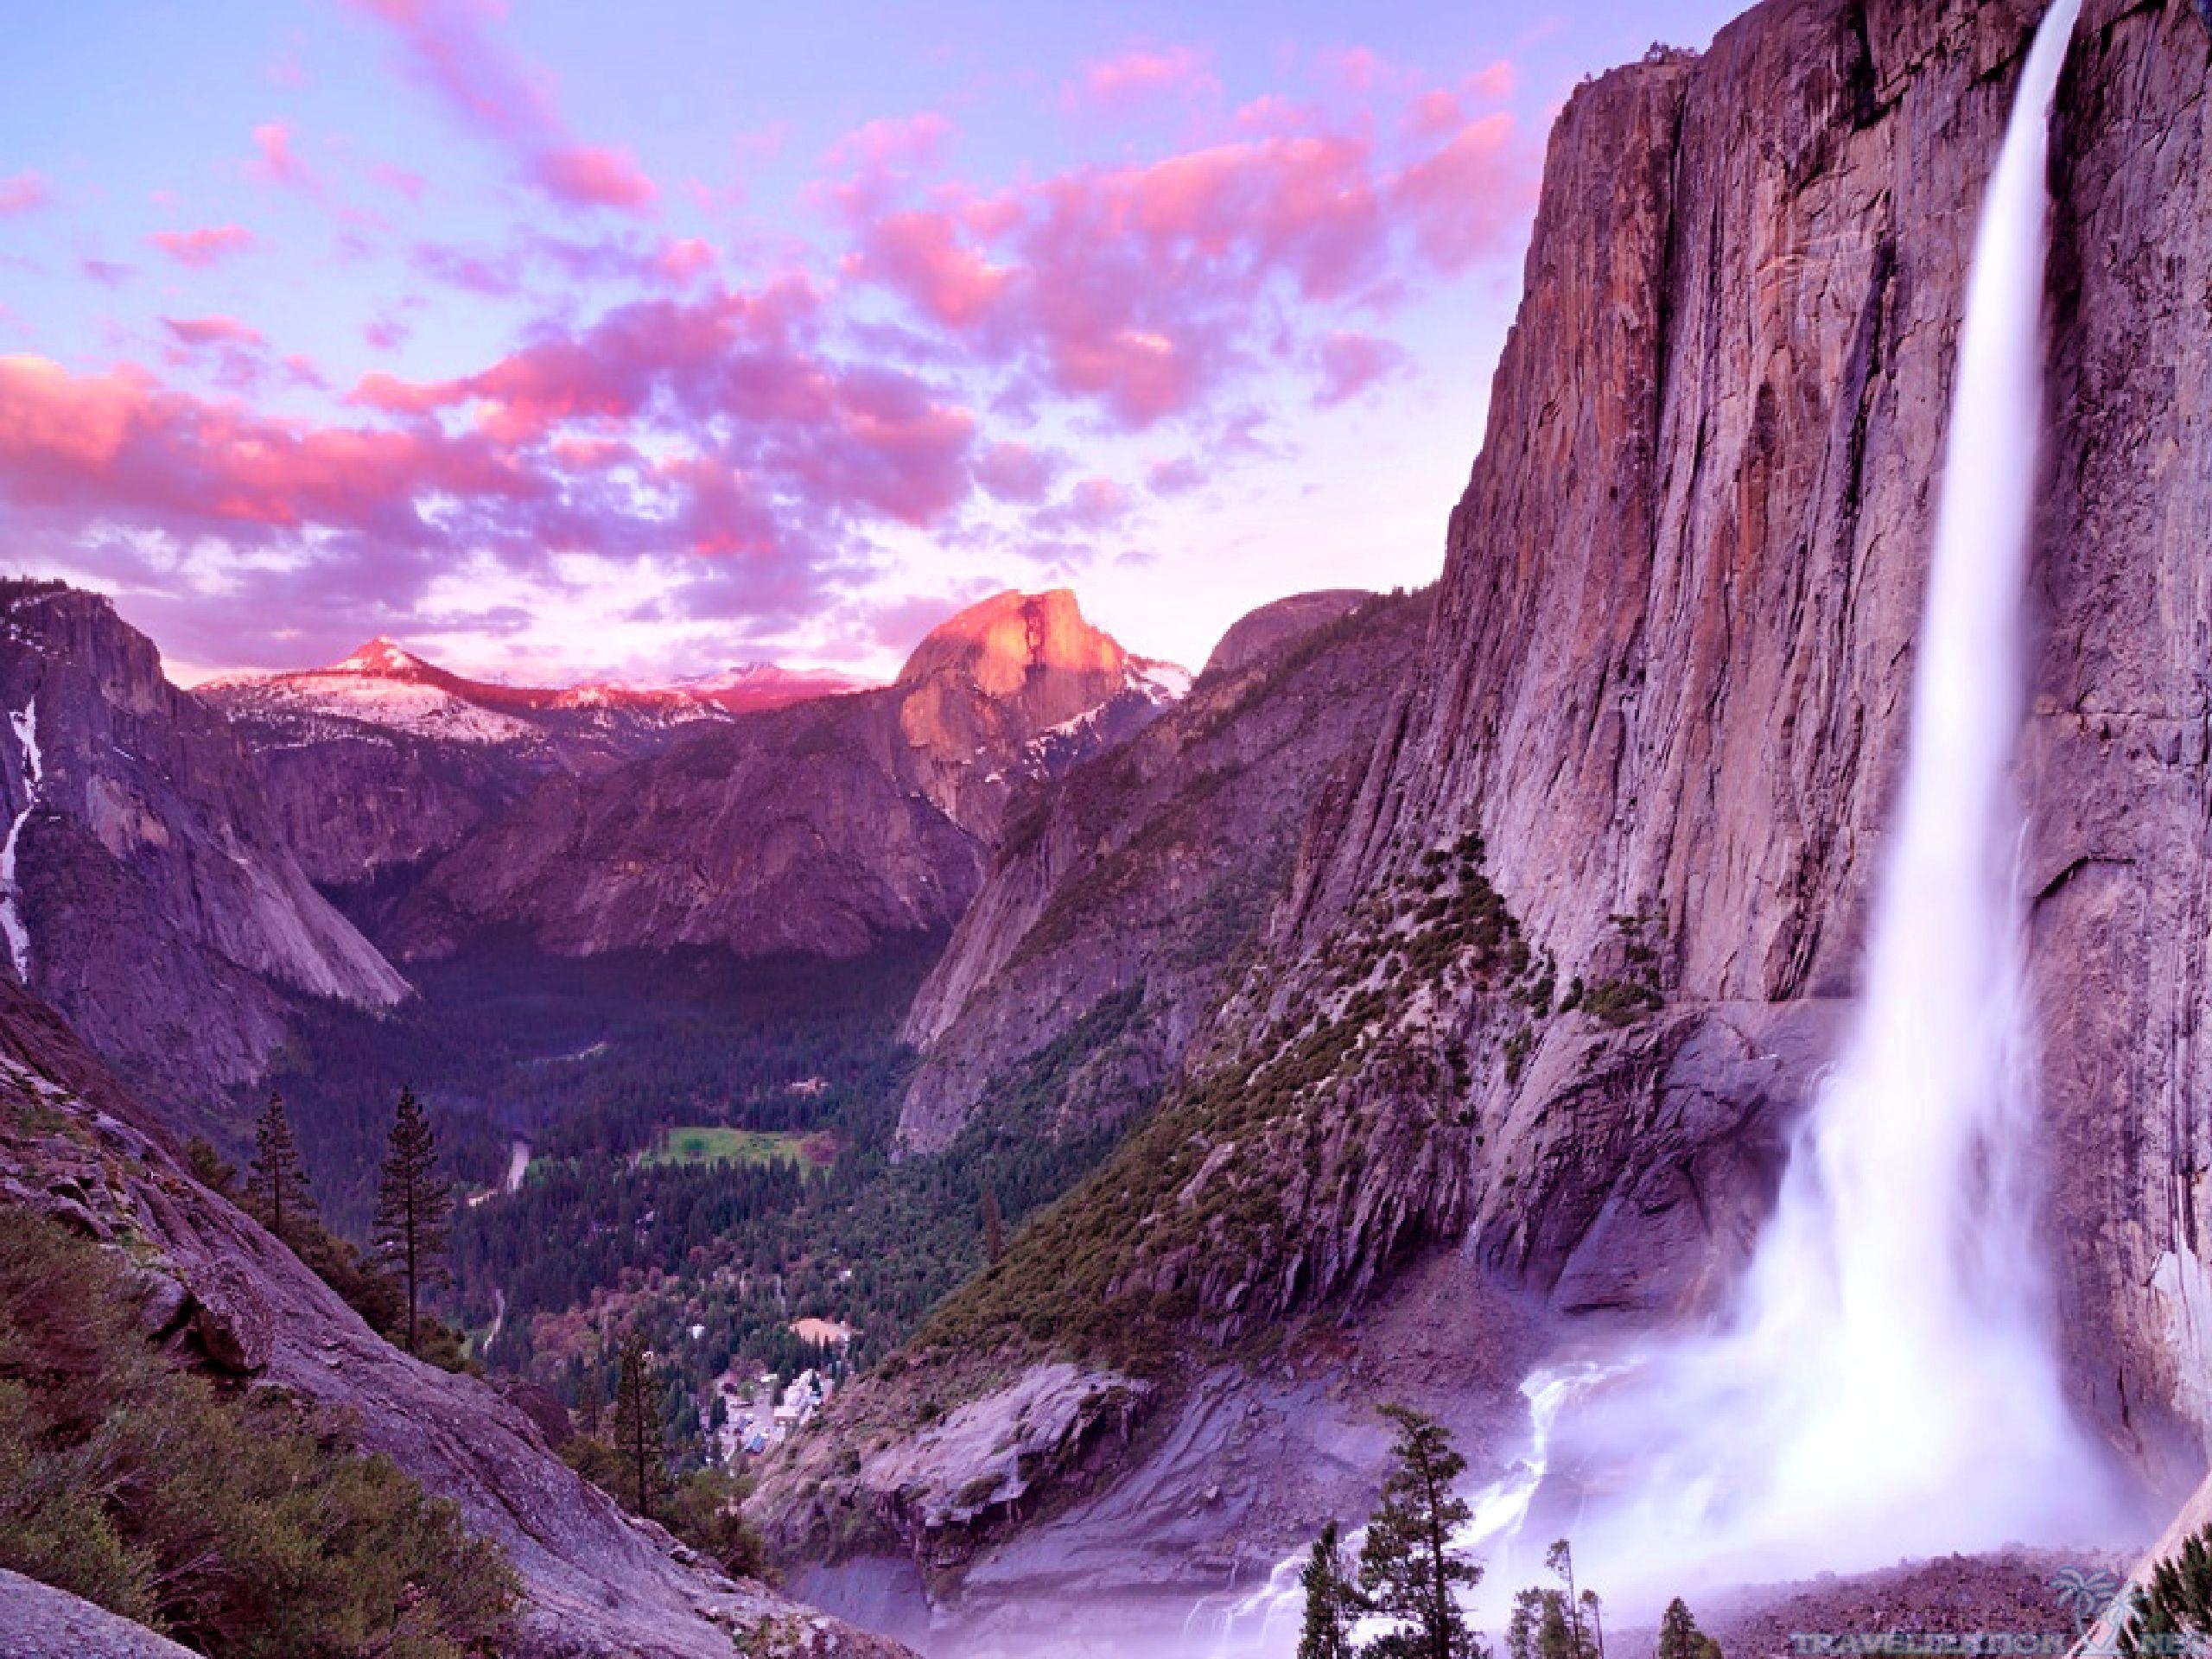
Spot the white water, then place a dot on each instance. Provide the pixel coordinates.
(24, 723)
(1889, 1386)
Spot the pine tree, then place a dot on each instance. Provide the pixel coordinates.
(1540, 1627)
(1680, 1637)
(638, 1440)
(1331, 1601)
(1408, 1569)
(277, 1182)
(994, 1227)
(1561, 1559)
(413, 1205)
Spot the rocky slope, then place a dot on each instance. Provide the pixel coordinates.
(376, 763)
(145, 888)
(1554, 978)
(227, 1296)
(820, 828)
(1135, 884)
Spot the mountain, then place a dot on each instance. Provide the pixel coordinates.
(1553, 981)
(820, 828)
(381, 760)
(1130, 889)
(145, 887)
(219, 1293)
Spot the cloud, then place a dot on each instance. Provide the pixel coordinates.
(586, 177)
(1351, 363)
(197, 250)
(211, 331)
(277, 164)
(24, 193)
(1147, 288)
(1015, 472)
(106, 273)
(1114, 84)
(449, 46)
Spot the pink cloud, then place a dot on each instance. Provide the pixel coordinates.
(1015, 472)
(921, 254)
(1177, 477)
(1465, 200)
(24, 193)
(198, 249)
(682, 260)
(892, 142)
(447, 47)
(588, 177)
(211, 331)
(1497, 82)
(1115, 83)
(1351, 363)
(278, 165)
(385, 333)
(106, 273)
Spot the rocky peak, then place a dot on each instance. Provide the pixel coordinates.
(384, 659)
(1006, 643)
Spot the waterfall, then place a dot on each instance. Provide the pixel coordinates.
(1889, 1385)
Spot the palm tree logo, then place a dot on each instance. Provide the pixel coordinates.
(2085, 1593)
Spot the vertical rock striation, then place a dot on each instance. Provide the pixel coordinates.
(149, 893)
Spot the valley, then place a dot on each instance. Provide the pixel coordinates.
(1688, 1024)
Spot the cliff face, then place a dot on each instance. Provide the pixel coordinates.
(821, 828)
(222, 1292)
(1556, 976)
(1140, 880)
(147, 891)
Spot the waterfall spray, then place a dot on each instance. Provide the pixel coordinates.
(1889, 1386)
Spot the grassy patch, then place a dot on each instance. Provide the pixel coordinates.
(710, 1143)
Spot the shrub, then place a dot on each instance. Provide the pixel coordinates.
(244, 1527)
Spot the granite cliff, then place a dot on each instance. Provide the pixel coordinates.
(1556, 973)
(145, 888)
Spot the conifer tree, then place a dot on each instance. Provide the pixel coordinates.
(1332, 1603)
(994, 1227)
(1561, 1559)
(1680, 1637)
(413, 1205)
(637, 1439)
(1408, 1569)
(277, 1181)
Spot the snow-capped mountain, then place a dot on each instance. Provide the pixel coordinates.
(384, 759)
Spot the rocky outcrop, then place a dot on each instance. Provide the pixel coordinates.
(1125, 893)
(375, 764)
(823, 828)
(1257, 632)
(39, 1622)
(75, 1146)
(1557, 974)
(145, 888)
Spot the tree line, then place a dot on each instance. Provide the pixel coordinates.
(1405, 1588)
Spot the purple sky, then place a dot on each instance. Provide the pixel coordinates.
(562, 340)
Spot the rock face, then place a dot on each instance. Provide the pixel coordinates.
(821, 828)
(1131, 887)
(1556, 976)
(74, 1146)
(1252, 636)
(379, 761)
(39, 1622)
(144, 887)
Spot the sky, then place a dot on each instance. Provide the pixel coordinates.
(569, 341)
